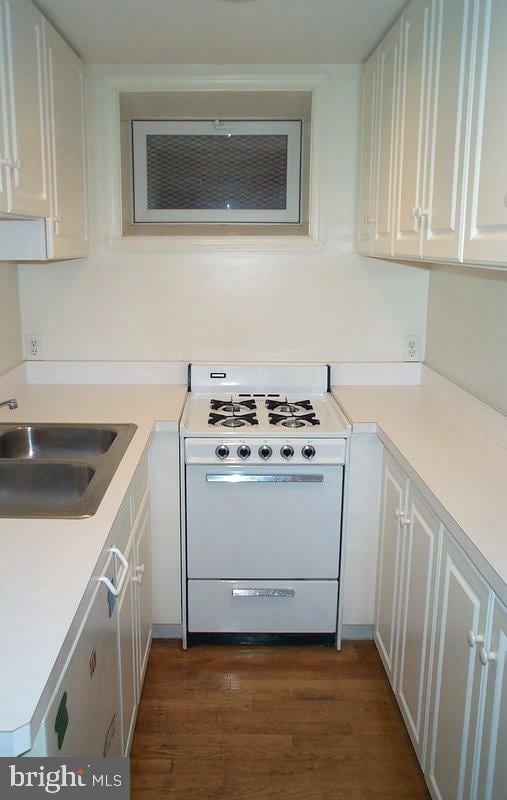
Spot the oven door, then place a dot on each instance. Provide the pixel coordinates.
(260, 522)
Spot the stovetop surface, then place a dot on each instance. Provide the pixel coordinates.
(271, 414)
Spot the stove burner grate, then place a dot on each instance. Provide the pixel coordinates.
(283, 406)
(293, 421)
(232, 406)
(233, 421)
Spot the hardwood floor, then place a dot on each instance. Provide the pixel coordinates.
(266, 723)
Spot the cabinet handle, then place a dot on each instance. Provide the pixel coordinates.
(140, 569)
(115, 590)
(474, 638)
(405, 521)
(263, 592)
(137, 579)
(484, 656)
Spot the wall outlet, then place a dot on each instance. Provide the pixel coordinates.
(412, 348)
(33, 346)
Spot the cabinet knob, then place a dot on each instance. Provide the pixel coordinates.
(137, 579)
(405, 521)
(398, 513)
(484, 656)
(140, 569)
(474, 638)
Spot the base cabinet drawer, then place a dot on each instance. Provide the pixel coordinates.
(262, 606)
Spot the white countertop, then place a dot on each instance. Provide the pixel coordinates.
(455, 449)
(46, 564)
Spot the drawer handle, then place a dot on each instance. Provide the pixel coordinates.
(115, 590)
(263, 592)
(235, 477)
(474, 638)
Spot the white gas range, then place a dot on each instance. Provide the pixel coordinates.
(264, 451)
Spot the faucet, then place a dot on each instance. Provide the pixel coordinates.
(12, 403)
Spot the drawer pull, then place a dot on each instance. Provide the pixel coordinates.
(263, 592)
(239, 477)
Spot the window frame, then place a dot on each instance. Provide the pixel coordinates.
(143, 128)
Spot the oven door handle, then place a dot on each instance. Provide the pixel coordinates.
(241, 477)
(263, 593)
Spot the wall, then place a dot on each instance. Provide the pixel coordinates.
(319, 302)
(10, 325)
(467, 330)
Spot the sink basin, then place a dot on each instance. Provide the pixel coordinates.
(59, 441)
(35, 488)
(58, 471)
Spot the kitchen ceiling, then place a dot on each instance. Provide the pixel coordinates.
(218, 32)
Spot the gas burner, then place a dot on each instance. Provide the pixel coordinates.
(286, 407)
(300, 421)
(232, 406)
(233, 421)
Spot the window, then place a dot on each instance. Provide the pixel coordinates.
(222, 171)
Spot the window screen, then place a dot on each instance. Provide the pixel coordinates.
(210, 172)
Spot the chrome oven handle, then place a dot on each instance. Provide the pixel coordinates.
(239, 477)
(263, 592)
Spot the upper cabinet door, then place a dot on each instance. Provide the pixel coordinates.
(4, 135)
(415, 61)
(26, 92)
(68, 235)
(443, 233)
(367, 187)
(388, 78)
(486, 218)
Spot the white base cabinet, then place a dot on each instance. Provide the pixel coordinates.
(93, 708)
(442, 636)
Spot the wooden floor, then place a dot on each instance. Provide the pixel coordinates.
(247, 723)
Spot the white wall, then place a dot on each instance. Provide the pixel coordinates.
(321, 303)
(467, 330)
(10, 325)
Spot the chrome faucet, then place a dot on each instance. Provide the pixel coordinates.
(12, 403)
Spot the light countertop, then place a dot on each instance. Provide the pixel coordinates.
(455, 449)
(46, 564)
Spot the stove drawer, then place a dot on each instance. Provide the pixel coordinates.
(262, 606)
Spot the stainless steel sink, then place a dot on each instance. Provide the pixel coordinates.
(56, 441)
(58, 471)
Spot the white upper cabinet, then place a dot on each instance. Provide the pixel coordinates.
(26, 121)
(443, 205)
(486, 217)
(385, 156)
(43, 212)
(441, 173)
(68, 234)
(368, 153)
(416, 23)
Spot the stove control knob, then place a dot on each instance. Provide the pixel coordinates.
(265, 451)
(286, 451)
(244, 451)
(308, 451)
(222, 451)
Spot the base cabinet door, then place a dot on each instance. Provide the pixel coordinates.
(421, 543)
(389, 564)
(127, 654)
(492, 782)
(82, 718)
(142, 580)
(456, 676)
(486, 224)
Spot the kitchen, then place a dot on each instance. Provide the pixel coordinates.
(354, 332)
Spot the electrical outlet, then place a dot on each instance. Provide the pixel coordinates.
(412, 348)
(33, 346)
